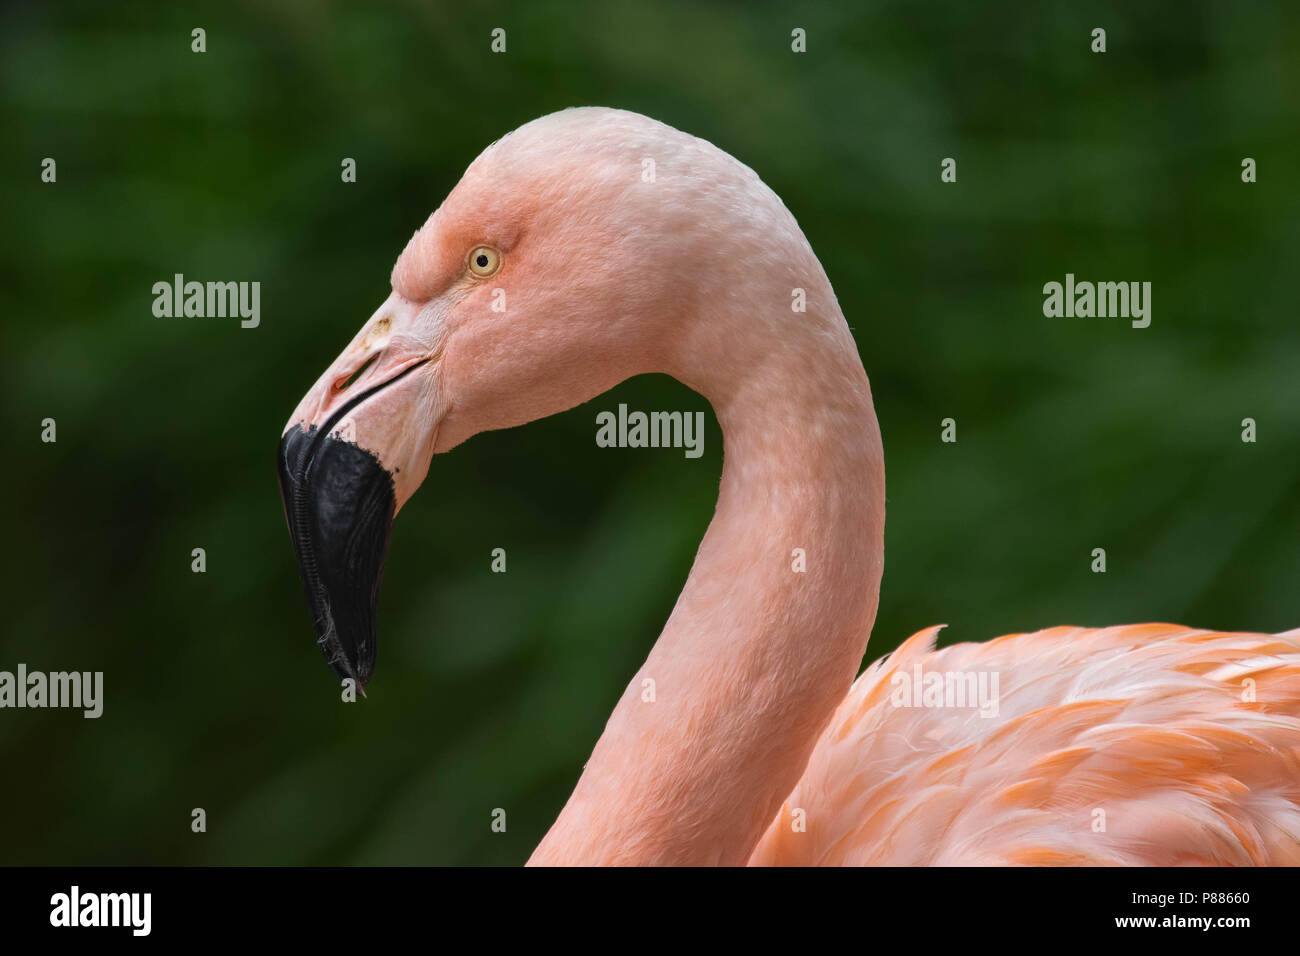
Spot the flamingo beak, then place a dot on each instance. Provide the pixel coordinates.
(339, 503)
(355, 449)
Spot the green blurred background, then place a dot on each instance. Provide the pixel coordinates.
(491, 689)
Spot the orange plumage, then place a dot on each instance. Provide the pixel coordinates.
(1148, 744)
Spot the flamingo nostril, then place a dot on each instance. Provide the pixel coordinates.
(340, 386)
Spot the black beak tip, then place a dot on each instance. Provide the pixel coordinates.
(339, 502)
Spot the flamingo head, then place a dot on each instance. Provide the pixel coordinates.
(574, 253)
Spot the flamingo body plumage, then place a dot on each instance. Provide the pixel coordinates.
(1143, 744)
(1150, 745)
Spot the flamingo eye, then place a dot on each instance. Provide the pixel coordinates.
(484, 261)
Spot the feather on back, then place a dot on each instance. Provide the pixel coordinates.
(1147, 744)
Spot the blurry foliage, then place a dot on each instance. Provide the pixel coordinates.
(491, 690)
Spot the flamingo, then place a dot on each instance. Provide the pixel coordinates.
(1142, 744)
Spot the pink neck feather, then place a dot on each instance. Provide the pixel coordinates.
(756, 655)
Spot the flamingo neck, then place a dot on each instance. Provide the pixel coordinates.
(716, 727)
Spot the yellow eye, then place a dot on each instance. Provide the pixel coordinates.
(484, 260)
